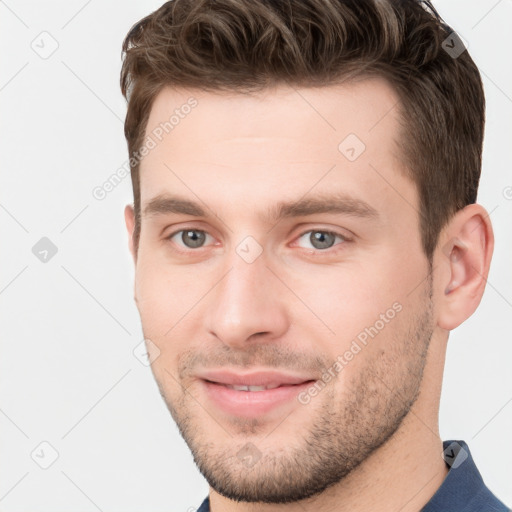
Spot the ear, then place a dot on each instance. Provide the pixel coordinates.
(129, 217)
(464, 257)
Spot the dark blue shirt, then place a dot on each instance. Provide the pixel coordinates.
(463, 489)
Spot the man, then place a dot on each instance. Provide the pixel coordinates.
(305, 236)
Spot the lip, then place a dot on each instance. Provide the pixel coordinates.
(255, 378)
(252, 404)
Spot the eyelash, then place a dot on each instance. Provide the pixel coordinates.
(312, 251)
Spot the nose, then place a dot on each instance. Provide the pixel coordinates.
(247, 305)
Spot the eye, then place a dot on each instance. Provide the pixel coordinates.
(321, 239)
(317, 239)
(189, 238)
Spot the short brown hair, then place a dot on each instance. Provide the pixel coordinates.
(249, 45)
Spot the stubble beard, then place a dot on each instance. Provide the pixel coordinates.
(346, 429)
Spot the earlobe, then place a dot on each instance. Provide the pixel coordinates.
(464, 259)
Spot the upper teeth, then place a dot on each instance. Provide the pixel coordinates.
(251, 388)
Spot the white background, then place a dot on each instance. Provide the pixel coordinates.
(69, 326)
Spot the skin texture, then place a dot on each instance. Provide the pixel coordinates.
(370, 437)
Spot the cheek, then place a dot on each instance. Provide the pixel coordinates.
(155, 299)
(163, 301)
(163, 297)
(171, 301)
(346, 298)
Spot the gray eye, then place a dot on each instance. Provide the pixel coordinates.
(322, 239)
(193, 238)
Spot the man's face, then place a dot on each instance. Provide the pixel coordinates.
(240, 289)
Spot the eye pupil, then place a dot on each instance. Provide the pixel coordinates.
(193, 238)
(321, 239)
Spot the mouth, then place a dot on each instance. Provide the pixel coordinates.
(253, 400)
(242, 387)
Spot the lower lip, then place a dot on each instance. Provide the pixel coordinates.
(252, 404)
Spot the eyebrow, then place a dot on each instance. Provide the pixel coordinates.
(325, 203)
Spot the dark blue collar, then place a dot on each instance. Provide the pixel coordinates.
(462, 490)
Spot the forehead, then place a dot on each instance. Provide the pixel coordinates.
(357, 106)
(274, 144)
